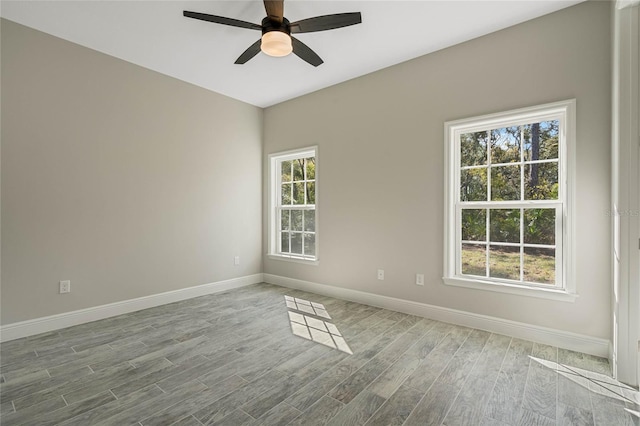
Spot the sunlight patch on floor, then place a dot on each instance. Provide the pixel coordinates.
(312, 308)
(304, 325)
(595, 382)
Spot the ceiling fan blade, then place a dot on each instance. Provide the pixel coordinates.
(251, 51)
(221, 20)
(326, 22)
(305, 53)
(275, 10)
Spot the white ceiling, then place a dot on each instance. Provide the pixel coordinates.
(155, 35)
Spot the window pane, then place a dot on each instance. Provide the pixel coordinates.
(297, 169)
(540, 265)
(504, 225)
(540, 226)
(296, 243)
(541, 181)
(296, 220)
(311, 192)
(284, 220)
(286, 171)
(310, 220)
(298, 193)
(474, 259)
(286, 194)
(473, 149)
(505, 145)
(504, 262)
(505, 183)
(541, 140)
(284, 239)
(473, 185)
(311, 168)
(309, 244)
(474, 224)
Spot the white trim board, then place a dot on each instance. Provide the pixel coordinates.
(549, 336)
(55, 322)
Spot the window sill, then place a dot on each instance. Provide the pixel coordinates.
(293, 259)
(542, 293)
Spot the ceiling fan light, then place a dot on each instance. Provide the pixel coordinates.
(276, 43)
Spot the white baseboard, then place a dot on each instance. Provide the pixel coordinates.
(55, 322)
(548, 336)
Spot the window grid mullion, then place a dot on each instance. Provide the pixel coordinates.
(488, 223)
(488, 165)
(513, 163)
(487, 240)
(521, 244)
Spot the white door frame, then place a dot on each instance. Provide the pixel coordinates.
(625, 208)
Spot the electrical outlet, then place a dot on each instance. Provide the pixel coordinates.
(381, 274)
(419, 279)
(65, 286)
(236, 260)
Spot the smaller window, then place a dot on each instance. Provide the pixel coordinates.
(292, 205)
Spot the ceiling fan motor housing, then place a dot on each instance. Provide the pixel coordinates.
(269, 25)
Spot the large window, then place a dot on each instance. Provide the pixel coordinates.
(292, 227)
(508, 201)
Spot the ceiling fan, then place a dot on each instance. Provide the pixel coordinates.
(276, 30)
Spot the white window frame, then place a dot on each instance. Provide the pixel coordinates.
(275, 185)
(565, 288)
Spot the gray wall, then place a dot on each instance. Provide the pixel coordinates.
(124, 181)
(381, 170)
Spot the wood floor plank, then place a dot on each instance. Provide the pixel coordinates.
(48, 388)
(506, 398)
(298, 362)
(187, 421)
(270, 398)
(392, 378)
(280, 415)
(317, 388)
(319, 413)
(107, 410)
(529, 418)
(358, 411)
(129, 375)
(173, 413)
(6, 408)
(471, 402)
(156, 376)
(396, 410)
(492, 357)
(433, 407)
(584, 361)
(434, 363)
(464, 360)
(219, 409)
(574, 416)
(574, 391)
(358, 381)
(235, 418)
(72, 410)
(611, 411)
(150, 406)
(540, 393)
(26, 415)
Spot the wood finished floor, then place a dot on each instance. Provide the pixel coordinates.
(231, 359)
